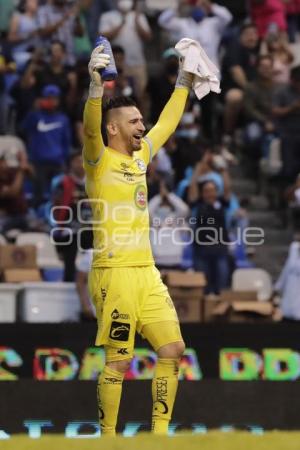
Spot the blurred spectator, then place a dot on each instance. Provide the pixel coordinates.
(292, 195)
(25, 90)
(189, 147)
(39, 73)
(7, 66)
(287, 112)
(258, 104)
(293, 18)
(128, 27)
(48, 135)
(278, 49)
(167, 214)
(58, 72)
(161, 86)
(82, 42)
(164, 165)
(59, 20)
(288, 284)
(14, 151)
(7, 8)
(205, 170)
(13, 205)
(206, 24)
(124, 84)
(268, 15)
(211, 240)
(83, 267)
(23, 32)
(69, 199)
(239, 69)
(94, 9)
(238, 10)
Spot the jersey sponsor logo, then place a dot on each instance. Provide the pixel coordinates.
(140, 196)
(44, 127)
(116, 315)
(129, 176)
(123, 351)
(141, 165)
(119, 331)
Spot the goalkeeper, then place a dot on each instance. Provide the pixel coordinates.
(124, 284)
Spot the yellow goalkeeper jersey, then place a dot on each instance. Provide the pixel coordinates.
(117, 189)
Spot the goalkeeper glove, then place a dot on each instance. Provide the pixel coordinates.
(184, 79)
(98, 61)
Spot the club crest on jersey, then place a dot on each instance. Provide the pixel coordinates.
(140, 196)
(141, 165)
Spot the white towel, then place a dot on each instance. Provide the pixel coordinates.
(197, 62)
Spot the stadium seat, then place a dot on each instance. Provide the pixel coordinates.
(8, 302)
(258, 280)
(49, 302)
(46, 253)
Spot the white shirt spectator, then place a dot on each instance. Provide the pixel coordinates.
(50, 15)
(208, 32)
(13, 150)
(164, 162)
(128, 37)
(167, 228)
(84, 261)
(288, 284)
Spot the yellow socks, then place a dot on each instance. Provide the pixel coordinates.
(164, 388)
(109, 392)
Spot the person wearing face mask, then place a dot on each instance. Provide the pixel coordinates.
(48, 137)
(206, 24)
(58, 20)
(128, 27)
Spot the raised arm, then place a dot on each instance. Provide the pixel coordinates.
(93, 145)
(168, 120)
(171, 114)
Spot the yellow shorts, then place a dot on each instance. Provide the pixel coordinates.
(127, 299)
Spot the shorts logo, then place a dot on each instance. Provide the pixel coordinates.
(141, 165)
(119, 331)
(116, 315)
(123, 351)
(111, 380)
(140, 196)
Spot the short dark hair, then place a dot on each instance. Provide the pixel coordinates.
(117, 102)
(247, 25)
(295, 73)
(60, 43)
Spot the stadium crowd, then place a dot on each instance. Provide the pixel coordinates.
(44, 51)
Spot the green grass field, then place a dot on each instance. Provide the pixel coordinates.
(211, 441)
